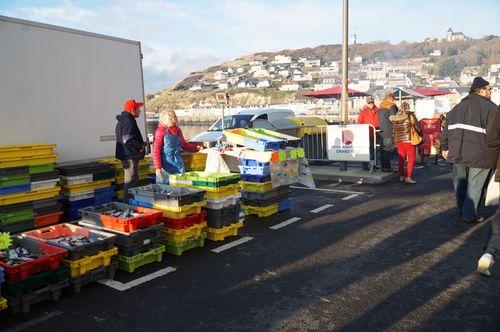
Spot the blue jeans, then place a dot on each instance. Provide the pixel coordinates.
(469, 184)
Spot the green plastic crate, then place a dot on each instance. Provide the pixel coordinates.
(14, 180)
(36, 281)
(45, 168)
(204, 179)
(129, 264)
(10, 218)
(175, 248)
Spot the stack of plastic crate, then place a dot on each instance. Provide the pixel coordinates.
(119, 177)
(85, 184)
(221, 193)
(137, 231)
(194, 161)
(33, 273)
(259, 196)
(29, 194)
(183, 220)
(89, 251)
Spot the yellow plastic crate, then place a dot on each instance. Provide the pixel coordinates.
(26, 150)
(219, 234)
(207, 189)
(262, 212)
(181, 235)
(221, 194)
(28, 161)
(184, 211)
(81, 187)
(29, 196)
(257, 186)
(3, 303)
(84, 265)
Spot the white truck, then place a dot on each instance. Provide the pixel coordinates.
(66, 87)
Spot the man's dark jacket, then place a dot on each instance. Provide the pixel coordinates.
(464, 133)
(129, 142)
(386, 109)
(493, 138)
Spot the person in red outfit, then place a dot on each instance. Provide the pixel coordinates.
(403, 123)
(369, 115)
(168, 144)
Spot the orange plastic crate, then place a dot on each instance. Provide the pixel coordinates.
(132, 224)
(48, 219)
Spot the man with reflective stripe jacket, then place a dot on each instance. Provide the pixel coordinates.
(463, 142)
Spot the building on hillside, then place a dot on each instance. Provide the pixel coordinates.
(261, 73)
(435, 53)
(254, 68)
(357, 59)
(242, 84)
(454, 36)
(284, 73)
(313, 62)
(224, 85)
(264, 84)
(290, 87)
(240, 70)
(196, 87)
(329, 80)
(282, 59)
(256, 63)
(322, 86)
(230, 71)
(328, 71)
(360, 85)
(468, 74)
(220, 75)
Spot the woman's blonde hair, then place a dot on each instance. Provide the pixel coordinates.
(166, 116)
(405, 107)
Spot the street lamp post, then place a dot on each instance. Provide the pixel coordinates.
(345, 57)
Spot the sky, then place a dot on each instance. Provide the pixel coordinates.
(179, 37)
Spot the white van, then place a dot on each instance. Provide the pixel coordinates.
(268, 118)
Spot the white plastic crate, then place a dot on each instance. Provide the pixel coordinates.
(42, 185)
(78, 179)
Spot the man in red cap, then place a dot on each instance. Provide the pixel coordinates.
(369, 115)
(129, 144)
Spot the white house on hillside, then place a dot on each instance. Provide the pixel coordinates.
(264, 84)
(282, 59)
(290, 87)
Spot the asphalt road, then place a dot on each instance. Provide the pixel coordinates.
(394, 258)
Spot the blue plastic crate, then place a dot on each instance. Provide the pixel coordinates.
(140, 203)
(103, 200)
(18, 188)
(2, 278)
(255, 178)
(80, 204)
(255, 170)
(71, 214)
(285, 205)
(252, 162)
(104, 192)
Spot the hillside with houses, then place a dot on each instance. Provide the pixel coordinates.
(282, 77)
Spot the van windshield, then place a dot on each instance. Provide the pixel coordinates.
(232, 122)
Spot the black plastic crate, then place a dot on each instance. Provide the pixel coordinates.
(18, 227)
(49, 293)
(138, 248)
(129, 239)
(166, 195)
(222, 217)
(12, 171)
(44, 176)
(48, 202)
(256, 195)
(107, 175)
(103, 272)
(36, 281)
(48, 210)
(83, 168)
(265, 202)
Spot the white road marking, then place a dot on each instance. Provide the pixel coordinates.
(350, 197)
(321, 208)
(34, 322)
(232, 244)
(119, 286)
(285, 223)
(330, 190)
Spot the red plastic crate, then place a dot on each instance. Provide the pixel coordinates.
(132, 224)
(51, 260)
(182, 223)
(48, 219)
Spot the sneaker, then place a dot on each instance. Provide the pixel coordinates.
(485, 263)
(410, 181)
(478, 220)
(401, 179)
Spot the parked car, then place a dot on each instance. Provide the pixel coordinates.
(268, 118)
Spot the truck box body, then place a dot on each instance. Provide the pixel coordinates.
(66, 87)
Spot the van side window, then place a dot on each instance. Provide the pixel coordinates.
(261, 117)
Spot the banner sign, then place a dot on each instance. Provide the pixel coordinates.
(348, 142)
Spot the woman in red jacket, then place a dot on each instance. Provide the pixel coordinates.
(168, 143)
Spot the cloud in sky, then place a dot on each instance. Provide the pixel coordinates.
(179, 37)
